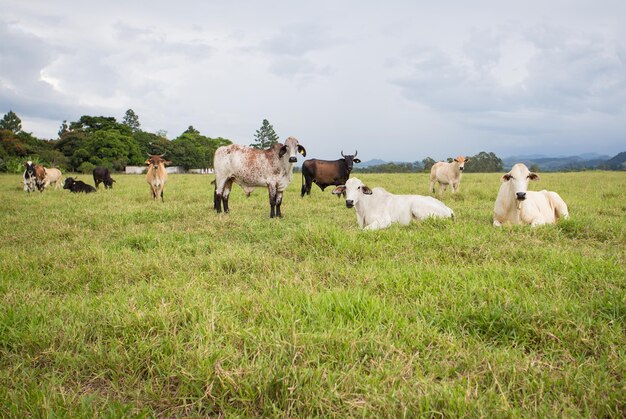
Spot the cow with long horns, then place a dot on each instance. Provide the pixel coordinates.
(325, 173)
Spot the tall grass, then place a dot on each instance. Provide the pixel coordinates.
(114, 304)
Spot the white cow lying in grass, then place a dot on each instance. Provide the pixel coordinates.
(516, 205)
(376, 208)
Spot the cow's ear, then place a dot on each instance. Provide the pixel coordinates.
(167, 162)
(339, 190)
(506, 178)
(533, 176)
(366, 190)
(466, 159)
(302, 150)
(356, 161)
(147, 162)
(282, 151)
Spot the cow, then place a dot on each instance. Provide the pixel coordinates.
(515, 204)
(326, 172)
(76, 186)
(53, 176)
(40, 177)
(30, 177)
(376, 208)
(102, 175)
(156, 175)
(251, 167)
(447, 174)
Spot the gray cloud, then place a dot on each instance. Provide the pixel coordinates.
(566, 74)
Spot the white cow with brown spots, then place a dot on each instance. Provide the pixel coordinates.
(515, 204)
(447, 174)
(376, 208)
(250, 168)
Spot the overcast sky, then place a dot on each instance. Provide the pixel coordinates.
(397, 80)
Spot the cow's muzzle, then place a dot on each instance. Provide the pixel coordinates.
(292, 159)
(349, 203)
(521, 196)
(461, 169)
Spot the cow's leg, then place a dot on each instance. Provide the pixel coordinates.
(442, 188)
(218, 193)
(272, 193)
(161, 193)
(279, 200)
(225, 194)
(432, 186)
(217, 201)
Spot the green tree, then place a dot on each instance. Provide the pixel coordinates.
(191, 150)
(428, 163)
(10, 121)
(150, 143)
(265, 136)
(484, 162)
(191, 130)
(63, 128)
(131, 120)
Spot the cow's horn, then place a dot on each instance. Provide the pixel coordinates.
(356, 152)
(342, 154)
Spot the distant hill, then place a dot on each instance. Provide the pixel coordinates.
(561, 163)
(617, 162)
(548, 163)
(373, 162)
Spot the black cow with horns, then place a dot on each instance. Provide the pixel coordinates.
(325, 173)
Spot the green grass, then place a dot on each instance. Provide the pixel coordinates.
(113, 304)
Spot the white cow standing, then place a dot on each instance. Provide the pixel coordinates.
(447, 174)
(251, 168)
(376, 208)
(515, 204)
(53, 176)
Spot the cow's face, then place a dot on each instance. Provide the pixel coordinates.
(68, 183)
(354, 189)
(291, 148)
(350, 160)
(155, 160)
(518, 177)
(460, 161)
(30, 169)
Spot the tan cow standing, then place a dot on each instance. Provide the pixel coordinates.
(52, 176)
(447, 174)
(156, 175)
(516, 205)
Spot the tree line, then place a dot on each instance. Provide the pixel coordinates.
(102, 141)
(483, 162)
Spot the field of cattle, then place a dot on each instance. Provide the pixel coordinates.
(114, 304)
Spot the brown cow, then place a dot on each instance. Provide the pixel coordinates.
(40, 177)
(156, 175)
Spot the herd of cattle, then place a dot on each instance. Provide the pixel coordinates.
(375, 207)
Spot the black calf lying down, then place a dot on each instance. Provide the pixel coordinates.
(77, 185)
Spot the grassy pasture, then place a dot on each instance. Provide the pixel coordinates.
(112, 304)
